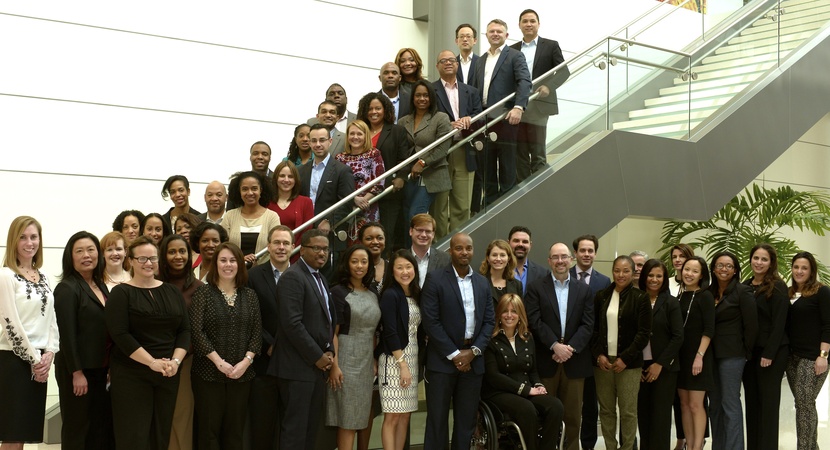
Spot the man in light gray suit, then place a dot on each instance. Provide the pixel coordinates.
(327, 116)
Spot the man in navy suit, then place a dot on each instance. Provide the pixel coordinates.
(304, 349)
(561, 314)
(526, 270)
(390, 82)
(326, 181)
(460, 102)
(541, 55)
(263, 406)
(458, 317)
(465, 39)
(586, 247)
(500, 72)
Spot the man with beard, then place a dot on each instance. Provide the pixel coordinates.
(527, 271)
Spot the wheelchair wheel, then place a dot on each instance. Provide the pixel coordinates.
(485, 435)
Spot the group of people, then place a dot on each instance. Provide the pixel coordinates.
(184, 329)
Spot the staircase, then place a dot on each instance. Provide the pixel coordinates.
(729, 71)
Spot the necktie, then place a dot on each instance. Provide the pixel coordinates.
(319, 280)
(276, 276)
(583, 277)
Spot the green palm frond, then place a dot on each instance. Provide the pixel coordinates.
(758, 214)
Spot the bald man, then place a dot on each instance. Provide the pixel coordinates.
(390, 86)
(215, 197)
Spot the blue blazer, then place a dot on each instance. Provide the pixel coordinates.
(548, 56)
(469, 105)
(443, 319)
(598, 281)
(472, 74)
(510, 75)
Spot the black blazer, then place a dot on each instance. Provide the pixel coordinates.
(633, 322)
(261, 280)
(506, 371)
(469, 105)
(543, 315)
(304, 331)
(736, 321)
(336, 183)
(471, 76)
(510, 75)
(394, 319)
(166, 217)
(443, 319)
(772, 319)
(598, 281)
(537, 271)
(395, 146)
(404, 96)
(548, 56)
(82, 326)
(666, 331)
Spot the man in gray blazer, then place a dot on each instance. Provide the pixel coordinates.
(500, 72)
(422, 233)
(328, 116)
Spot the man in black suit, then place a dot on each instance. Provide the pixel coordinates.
(337, 95)
(458, 317)
(541, 55)
(561, 314)
(526, 271)
(263, 405)
(460, 102)
(501, 71)
(465, 39)
(326, 181)
(586, 247)
(304, 349)
(390, 86)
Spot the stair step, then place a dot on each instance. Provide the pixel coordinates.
(773, 33)
(709, 84)
(787, 26)
(663, 130)
(697, 95)
(728, 72)
(751, 60)
(665, 119)
(770, 49)
(735, 47)
(696, 105)
(795, 12)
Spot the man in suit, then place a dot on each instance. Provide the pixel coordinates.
(541, 55)
(326, 181)
(327, 116)
(390, 86)
(304, 351)
(465, 39)
(215, 197)
(422, 233)
(261, 158)
(263, 405)
(561, 315)
(526, 270)
(460, 102)
(458, 317)
(500, 72)
(586, 247)
(337, 94)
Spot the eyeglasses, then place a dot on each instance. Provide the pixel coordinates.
(144, 259)
(423, 231)
(724, 266)
(559, 257)
(446, 61)
(317, 248)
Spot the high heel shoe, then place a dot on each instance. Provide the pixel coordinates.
(681, 444)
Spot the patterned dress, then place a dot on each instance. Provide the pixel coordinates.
(393, 397)
(366, 167)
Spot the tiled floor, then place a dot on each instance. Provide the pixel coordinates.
(786, 441)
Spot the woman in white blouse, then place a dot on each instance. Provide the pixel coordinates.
(248, 224)
(28, 338)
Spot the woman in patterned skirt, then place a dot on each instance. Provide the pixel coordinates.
(399, 348)
(349, 401)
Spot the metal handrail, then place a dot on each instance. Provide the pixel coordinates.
(484, 114)
(641, 16)
(680, 6)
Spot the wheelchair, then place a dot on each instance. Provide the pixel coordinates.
(496, 430)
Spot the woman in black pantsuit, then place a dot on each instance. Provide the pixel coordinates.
(82, 364)
(511, 381)
(148, 323)
(227, 335)
(658, 382)
(763, 373)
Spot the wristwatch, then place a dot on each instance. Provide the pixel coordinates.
(476, 350)
(823, 354)
(178, 361)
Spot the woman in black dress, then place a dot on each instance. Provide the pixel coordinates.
(498, 267)
(82, 364)
(696, 363)
(147, 320)
(763, 373)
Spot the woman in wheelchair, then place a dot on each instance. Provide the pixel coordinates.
(511, 382)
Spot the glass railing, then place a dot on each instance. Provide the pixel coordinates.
(612, 83)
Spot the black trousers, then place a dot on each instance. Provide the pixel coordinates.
(221, 409)
(762, 387)
(263, 413)
(531, 413)
(654, 406)
(530, 150)
(590, 414)
(463, 390)
(86, 419)
(142, 407)
(301, 408)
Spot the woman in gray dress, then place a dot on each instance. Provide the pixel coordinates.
(349, 399)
